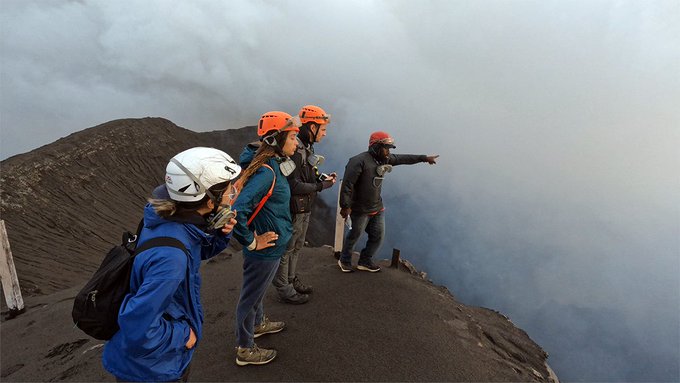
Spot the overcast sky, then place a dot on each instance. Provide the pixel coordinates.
(557, 197)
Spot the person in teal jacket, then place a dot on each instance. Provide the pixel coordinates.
(161, 319)
(263, 227)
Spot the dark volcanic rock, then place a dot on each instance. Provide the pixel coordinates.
(388, 326)
(65, 204)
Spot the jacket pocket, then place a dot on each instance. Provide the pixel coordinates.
(300, 203)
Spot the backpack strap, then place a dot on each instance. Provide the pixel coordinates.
(161, 241)
(130, 238)
(170, 242)
(266, 197)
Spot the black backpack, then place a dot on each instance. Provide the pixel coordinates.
(96, 307)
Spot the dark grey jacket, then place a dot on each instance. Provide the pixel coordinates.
(303, 180)
(360, 188)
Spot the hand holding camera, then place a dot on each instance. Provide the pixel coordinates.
(223, 219)
(328, 177)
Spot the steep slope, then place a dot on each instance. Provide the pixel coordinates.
(66, 203)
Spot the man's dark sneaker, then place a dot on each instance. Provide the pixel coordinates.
(370, 267)
(301, 287)
(254, 355)
(297, 299)
(346, 267)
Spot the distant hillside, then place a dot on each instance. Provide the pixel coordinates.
(66, 203)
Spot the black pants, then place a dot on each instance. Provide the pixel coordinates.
(184, 378)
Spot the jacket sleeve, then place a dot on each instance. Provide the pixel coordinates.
(255, 189)
(353, 170)
(217, 244)
(141, 317)
(297, 184)
(406, 159)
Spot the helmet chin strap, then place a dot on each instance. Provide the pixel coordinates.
(274, 143)
(315, 134)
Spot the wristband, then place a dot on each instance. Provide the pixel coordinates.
(253, 245)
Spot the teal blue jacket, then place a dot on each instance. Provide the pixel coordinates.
(275, 214)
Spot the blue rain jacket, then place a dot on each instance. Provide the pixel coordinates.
(162, 305)
(275, 214)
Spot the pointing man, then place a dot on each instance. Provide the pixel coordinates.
(360, 197)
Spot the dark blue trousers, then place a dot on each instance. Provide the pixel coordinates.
(258, 274)
(374, 225)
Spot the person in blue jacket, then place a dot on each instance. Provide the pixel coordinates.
(161, 318)
(263, 227)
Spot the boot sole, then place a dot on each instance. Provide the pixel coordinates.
(343, 269)
(364, 268)
(294, 302)
(268, 332)
(244, 363)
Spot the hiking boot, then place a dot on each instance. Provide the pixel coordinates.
(370, 267)
(268, 327)
(254, 355)
(346, 267)
(301, 287)
(297, 299)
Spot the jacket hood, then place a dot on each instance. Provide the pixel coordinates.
(248, 154)
(151, 219)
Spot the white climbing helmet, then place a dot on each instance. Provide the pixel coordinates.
(192, 172)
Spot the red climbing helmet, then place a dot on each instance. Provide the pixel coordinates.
(381, 138)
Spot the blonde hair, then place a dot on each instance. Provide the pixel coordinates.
(165, 208)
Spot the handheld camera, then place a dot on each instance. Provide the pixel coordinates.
(221, 218)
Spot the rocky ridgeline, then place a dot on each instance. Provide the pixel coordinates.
(66, 203)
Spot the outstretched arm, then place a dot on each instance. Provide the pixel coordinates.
(410, 159)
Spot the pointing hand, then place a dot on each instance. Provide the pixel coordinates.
(432, 159)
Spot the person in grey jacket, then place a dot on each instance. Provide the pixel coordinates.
(360, 198)
(305, 182)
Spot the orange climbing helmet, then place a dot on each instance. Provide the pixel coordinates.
(381, 138)
(274, 122)
(312, 113)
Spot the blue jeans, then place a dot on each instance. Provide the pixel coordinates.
(257, 276)
(374, 225)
